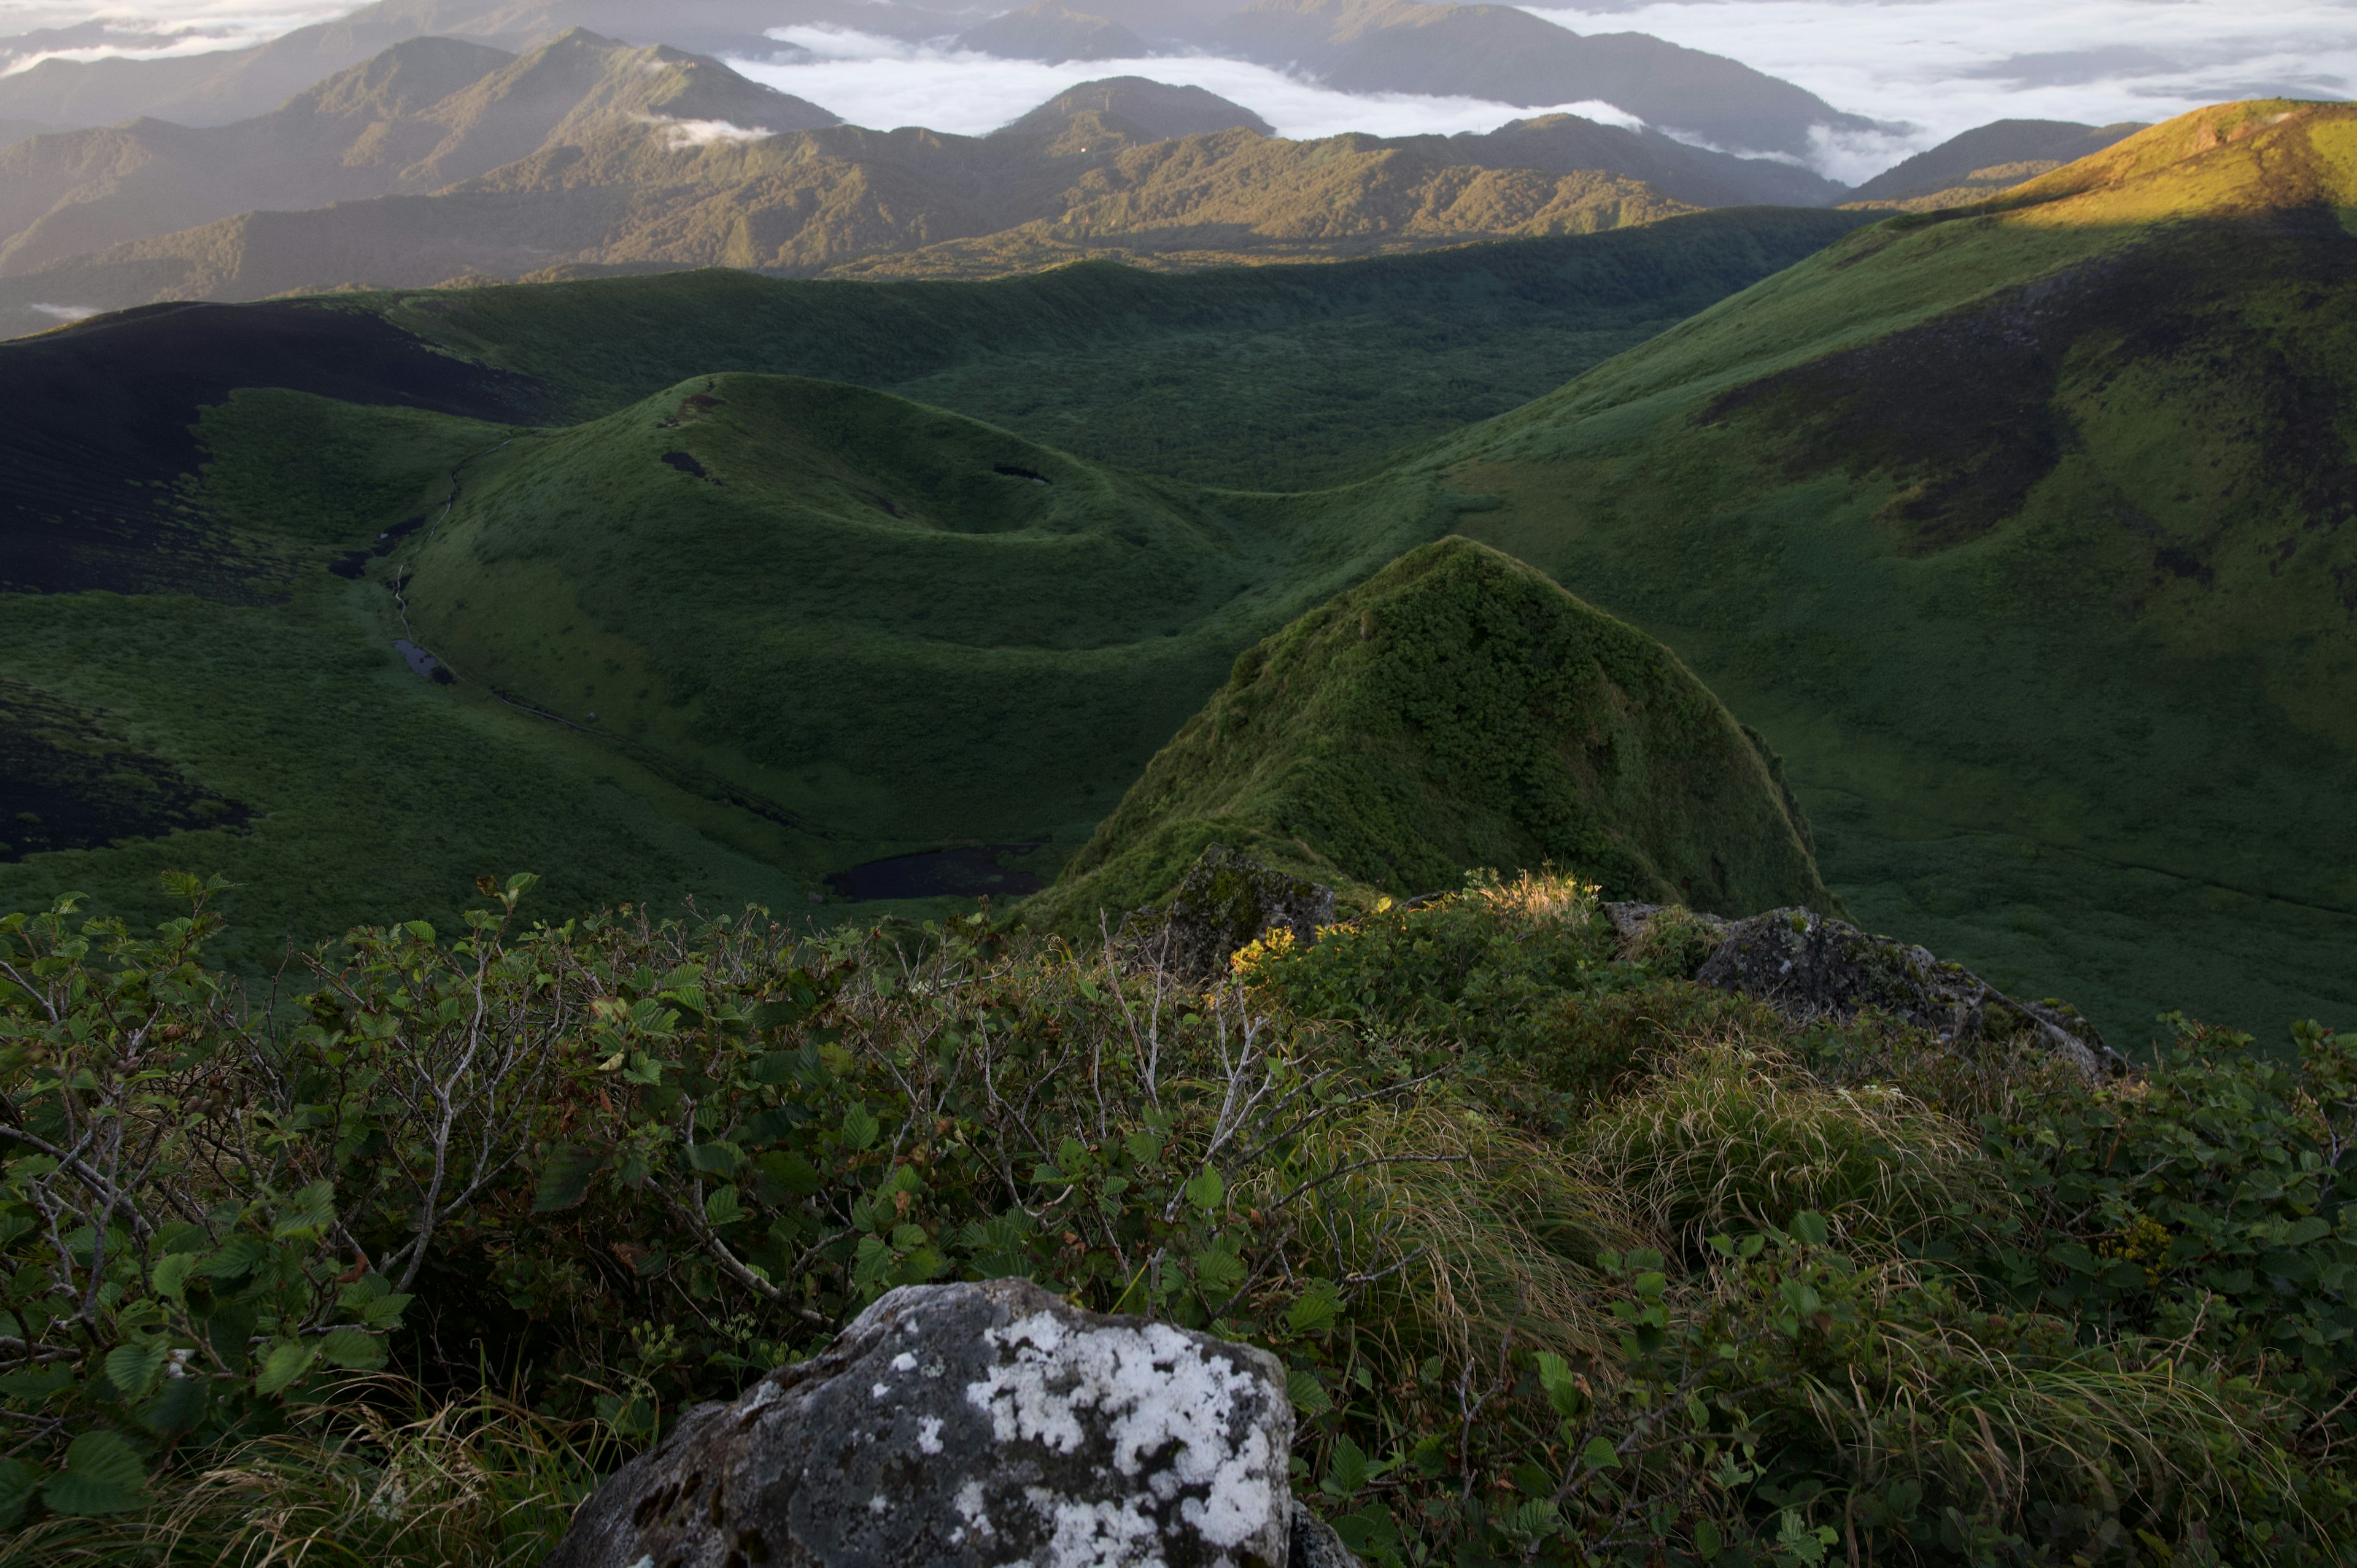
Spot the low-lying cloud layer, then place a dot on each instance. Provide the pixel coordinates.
(886, 82)
(35, 30)
(1944, 66)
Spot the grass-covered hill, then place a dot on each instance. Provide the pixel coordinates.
(2019, 530)
(202, 569)
(1458, 709)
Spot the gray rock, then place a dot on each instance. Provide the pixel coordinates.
(1808, 966)
(1226, 901)
(1316, 1543)
(970, 1426)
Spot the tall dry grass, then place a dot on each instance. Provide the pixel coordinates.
(382, 1479)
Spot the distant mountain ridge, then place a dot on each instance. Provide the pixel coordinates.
(443, 159)
(425, 114)
(1354, 46)
(1985, 160)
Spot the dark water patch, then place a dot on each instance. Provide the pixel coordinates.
(95, 426)
(1013, 472)
(349, 564)
(396, 533)
(942, 874)
(65, 783)
(686, 464)
(424, 663)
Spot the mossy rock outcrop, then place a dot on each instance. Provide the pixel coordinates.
(1457, 709)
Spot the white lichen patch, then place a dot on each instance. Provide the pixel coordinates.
(906, 1361)
(929, 1434)
(1148, 1392)
(1095, 1534)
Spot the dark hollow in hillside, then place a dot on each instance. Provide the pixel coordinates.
(66, 784)
(943, 874)
(95, 426)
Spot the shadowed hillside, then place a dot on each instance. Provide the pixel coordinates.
(1457, 711)
(2019, 528)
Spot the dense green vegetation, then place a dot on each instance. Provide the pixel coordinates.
(1456, 709)
(2014, 528)
(1263, 378)
(1569, 1258)
(261, 675)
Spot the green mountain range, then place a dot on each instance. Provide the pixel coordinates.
(482, 474)
(2017, 528)
(2013, 528)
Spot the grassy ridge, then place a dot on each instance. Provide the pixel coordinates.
(2017, 534)
(900, 623)
(1456, 710)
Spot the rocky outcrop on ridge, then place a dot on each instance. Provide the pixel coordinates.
(1807, 966)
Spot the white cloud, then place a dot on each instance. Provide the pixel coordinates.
(1944, 66)
(680, 134)
(890, 82)
(70, 312)
(147, 30)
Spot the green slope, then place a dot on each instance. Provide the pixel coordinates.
(897, 625)
(789, 679)
(1457, 711)
(1262, 378)
(2018, 529)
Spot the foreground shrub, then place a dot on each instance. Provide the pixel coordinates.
(1724, 1289)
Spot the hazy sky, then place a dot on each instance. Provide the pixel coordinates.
(1935, 66)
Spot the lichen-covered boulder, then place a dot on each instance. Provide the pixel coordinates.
(1226, 902)
(1808, 966)
(970, 1426)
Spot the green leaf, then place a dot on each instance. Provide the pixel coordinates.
(1809, 1228)
(172, 1272)
(715, 1159)
(311, 1209)
(1706, 1543)
(234, 1258)
(18, 1484)
(859, 1129)
(134, 1369)
(721, 1206)
(1599, 1456)
(178, 1408)
(1315, 1309)
(1308, 1395)
(103, 1475)
(565, 1179)
(384, 1311)
(352, 1349)
(1206, 1190)
(1348, 1472)
(287, 1361)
